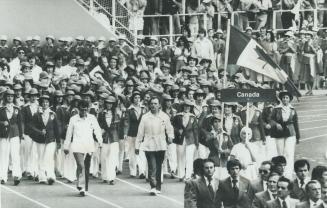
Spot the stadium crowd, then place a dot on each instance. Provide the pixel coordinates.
(157, 105)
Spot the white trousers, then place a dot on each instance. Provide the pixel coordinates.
(68, 165)
(109, 160)
(286, 147)
(202, 152)
(135, 160)
(121, 155)
(28, 156)
(271, 148)
(10, 148)
(46, 161)
(185, 158)
(170, 158)
(95, 161)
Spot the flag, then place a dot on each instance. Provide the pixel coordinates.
(246, 52)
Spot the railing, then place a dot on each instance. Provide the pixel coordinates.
(116, 24)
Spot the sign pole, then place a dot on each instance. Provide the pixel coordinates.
(225, 68)
(247, 114)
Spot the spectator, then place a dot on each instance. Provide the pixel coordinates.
(193, 19)
(203, 48)
(136, 10)
(206, 8)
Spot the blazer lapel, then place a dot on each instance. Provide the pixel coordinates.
(205, 187)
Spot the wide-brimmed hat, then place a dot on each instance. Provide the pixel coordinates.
(167, 97)
(111, 99)
(193, 58)
(199, 92)
(215, 103)
(58, 93)
(205, 61)
(187, 102)
(88, 93)
(44, 97)
(33, 91)
(283, 93)
(135, 92)
(9, 92)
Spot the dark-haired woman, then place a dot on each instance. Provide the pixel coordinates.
(10, 135)
(45, 133)
(109, 121)
(186, 139)
(133, 117)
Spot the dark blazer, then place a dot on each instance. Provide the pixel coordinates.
(225, 197)
(290, 127)
(220, 158)
(205, 129)
(196, 194)
(15, 128)
(260, 199)
(131, 125)
(297, 192)
(304, 204)
(257, 185)
(256, 125)
(266, 117)
(51, 127)
(236, 129)
(189, 132)
(63, 117)
(27, 118)
(111, 133)
(276, 204)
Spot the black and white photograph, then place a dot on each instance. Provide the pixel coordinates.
(163, 103)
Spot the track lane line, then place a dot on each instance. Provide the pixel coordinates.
(92, 195)
(313, 137)
(316, 127)
(25, 197)
(146, 190)
(310, 121)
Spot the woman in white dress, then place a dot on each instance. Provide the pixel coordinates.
(246, 153)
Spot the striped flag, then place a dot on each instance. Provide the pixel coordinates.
(246, 52)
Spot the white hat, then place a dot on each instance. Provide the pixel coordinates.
(90, 39)
(17, 38)
(4, 37)
(69, 39)
(102, 38)
(28, 38)
(248, 28)
(206, 1)
(153, 38)
(80, 37)
(62, 39)
(122, 37)
(219, 31)
(289, 33)
(112, 39)
(140, 37)
(50, 37)
(36, 37)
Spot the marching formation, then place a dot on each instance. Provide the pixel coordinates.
(78, 109)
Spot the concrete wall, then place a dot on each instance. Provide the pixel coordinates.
(60, 18)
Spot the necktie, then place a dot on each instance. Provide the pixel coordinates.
(274, 195)
(211, 191)
(235, 188)
(302, 183)
(284, 204)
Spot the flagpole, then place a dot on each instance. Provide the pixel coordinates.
(225, 68)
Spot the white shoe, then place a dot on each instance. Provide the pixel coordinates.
(158, 192)
(153, 192)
